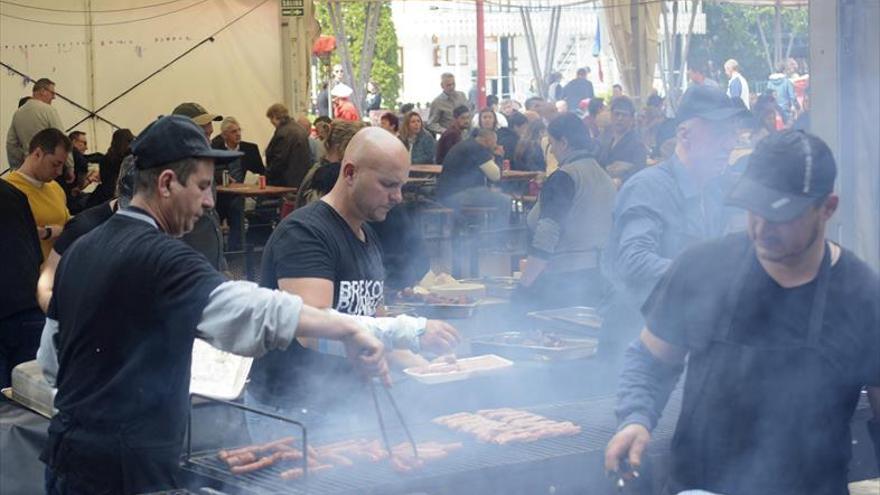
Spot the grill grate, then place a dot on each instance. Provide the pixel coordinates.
(595, 417)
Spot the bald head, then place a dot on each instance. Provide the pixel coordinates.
(374, 169)
(376, 148)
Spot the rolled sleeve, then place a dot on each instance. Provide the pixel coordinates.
(248, 320)
(645, 386)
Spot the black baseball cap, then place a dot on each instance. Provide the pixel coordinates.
(707, 103)
(787, 173)
(172, 138)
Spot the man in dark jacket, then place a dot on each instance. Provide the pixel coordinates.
(287, 155)
(578, 89)
(621, 150)
(231, 208)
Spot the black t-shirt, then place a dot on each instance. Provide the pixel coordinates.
(20, 252)
(316, 242)
(461, 168)
(686, 304)
(82, 224)
(127, 300)
(753, 436)
(629, 148)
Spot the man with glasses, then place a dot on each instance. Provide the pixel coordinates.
(664, 209)
(621, 150)
(32, 117)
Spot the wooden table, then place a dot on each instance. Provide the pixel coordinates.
(252, 191)
(523, 175)
(431, 169)
(507, 175)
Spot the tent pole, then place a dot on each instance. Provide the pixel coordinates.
(90, 67)
(481, 56)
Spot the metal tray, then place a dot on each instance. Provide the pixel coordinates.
(573, 348)
(573, 319)
(443, 311)
(502, 287)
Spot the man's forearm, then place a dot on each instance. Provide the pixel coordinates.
(400, 332)
(645, 385)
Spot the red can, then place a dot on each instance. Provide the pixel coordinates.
(534, 188)
(505, 165)
(262, 182)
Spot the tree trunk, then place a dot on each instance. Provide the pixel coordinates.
(764, 43)
(687, 38)
(335, 10)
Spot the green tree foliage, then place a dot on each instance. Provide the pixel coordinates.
(386, 67)
(732, 32)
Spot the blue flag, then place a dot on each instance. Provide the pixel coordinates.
(597, 41)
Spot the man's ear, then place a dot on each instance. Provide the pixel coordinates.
(829, 206)
(348, 170)
(165, 179)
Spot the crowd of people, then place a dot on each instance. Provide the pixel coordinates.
(625, 199)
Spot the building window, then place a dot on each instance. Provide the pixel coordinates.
(456, 55)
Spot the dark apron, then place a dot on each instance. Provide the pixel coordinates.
(763, 419)
(111, 458)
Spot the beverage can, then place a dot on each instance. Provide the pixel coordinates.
(225, 178)
(262, 182)
(505, 165)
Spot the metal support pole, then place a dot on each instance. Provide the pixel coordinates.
(533, 51)
(481, 57)
(552, 38)
(777, 33)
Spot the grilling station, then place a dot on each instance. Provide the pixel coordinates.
(565, 378)
(557, 372)
(552, 368)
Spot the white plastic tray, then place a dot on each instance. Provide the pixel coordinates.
(469, 367)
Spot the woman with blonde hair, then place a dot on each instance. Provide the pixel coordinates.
(420, 144)
(321, 177)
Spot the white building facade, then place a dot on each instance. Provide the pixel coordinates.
(441, 37)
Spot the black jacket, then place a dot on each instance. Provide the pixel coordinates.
(287, 155)
(252, 161)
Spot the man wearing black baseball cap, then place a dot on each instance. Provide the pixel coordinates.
(779, 327)
(665, 208)
(123, 341)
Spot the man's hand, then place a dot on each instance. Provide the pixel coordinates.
(439, 337)
(368, 354)
(628, 443)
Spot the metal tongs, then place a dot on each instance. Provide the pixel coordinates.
(396, 412)
(619, 480)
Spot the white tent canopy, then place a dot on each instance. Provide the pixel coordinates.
(238, 74)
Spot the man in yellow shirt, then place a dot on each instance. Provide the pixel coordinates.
(47, 154)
